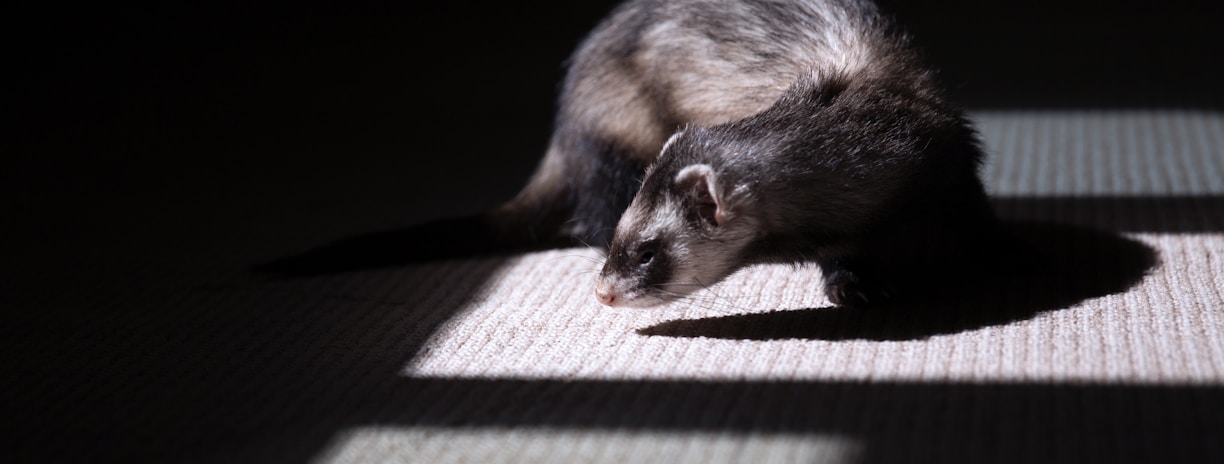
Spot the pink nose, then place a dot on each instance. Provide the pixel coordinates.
(604, 295)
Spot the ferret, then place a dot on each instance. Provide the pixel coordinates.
(790, 130)
(695, 137)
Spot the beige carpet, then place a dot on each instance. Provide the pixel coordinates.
(1116, 356)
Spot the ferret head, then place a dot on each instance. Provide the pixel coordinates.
(686, 229)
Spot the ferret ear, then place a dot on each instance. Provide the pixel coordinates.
(699, 182)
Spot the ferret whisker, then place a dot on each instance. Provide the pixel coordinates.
(583, 241)
(592, 259)
(587, 244)
(718, 303)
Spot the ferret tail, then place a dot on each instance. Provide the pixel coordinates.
(533, 219)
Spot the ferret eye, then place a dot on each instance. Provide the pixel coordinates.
(646, 257)
(646, 251)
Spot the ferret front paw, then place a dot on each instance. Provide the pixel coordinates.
(844, 288)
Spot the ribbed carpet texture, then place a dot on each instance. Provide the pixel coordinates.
(1114, 354)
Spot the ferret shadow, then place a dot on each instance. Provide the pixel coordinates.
(1046, 267)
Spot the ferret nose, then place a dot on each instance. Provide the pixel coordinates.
(604, 295)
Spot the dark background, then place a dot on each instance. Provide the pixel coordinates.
(146, 145)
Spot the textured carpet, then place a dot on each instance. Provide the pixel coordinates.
(154, 343)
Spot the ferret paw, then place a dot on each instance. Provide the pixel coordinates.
(846, 289)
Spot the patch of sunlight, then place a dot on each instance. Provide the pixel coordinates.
(559, 445)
